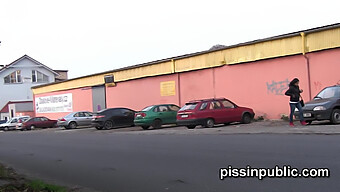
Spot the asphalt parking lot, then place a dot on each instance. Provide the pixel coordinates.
(261, 127)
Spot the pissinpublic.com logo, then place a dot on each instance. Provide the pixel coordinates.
(276, 172)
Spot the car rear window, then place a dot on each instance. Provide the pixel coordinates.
(147, 108)
(189, 106)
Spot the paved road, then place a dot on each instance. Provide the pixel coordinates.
(121, 161)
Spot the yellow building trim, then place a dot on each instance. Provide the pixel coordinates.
(144, 71)
(72, 84)
(323, 40)
(298, 43)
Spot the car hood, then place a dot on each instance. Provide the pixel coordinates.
(319, 102)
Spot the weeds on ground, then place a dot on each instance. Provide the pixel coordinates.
(17, 183)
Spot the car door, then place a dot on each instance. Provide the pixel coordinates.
(13, 122)
(165, 114)
(88, 118)
(127, 116)
(38, 122)
(79, 118)
(173, 109)
(217, 111)
(232, 112)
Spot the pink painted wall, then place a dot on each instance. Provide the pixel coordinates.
(25, 113)
(324, 69)
(82, 100)
(196, 85)
(261, 85)
(139, 93)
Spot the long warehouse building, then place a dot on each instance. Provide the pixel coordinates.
(253, 74)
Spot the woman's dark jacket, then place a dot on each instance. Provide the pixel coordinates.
(294, 93)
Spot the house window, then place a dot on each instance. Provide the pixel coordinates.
(14, 77)
(38, 77)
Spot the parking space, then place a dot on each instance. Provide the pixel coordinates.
(262, 127)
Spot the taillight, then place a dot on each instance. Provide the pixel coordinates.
(62, 119)
(140, 114)
(98, 116)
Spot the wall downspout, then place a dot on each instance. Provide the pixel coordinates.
(303, 39)
(173, 70)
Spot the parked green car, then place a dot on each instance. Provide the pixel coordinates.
(156, 116)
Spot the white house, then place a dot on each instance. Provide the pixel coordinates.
(16, 80)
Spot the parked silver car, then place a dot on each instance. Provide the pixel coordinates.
(12, 123)
(75, 119)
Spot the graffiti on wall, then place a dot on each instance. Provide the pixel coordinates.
(277, 87)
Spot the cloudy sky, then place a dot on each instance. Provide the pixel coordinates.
(86, 37)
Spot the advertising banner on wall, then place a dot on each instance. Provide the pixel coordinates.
(54, 103)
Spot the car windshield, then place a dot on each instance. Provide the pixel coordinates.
(330, 92)
(188, 106)
(147, 108)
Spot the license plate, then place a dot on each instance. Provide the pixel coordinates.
(184, 116)
(307, 115)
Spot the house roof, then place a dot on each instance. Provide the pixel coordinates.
(5, 109)
(30, 58)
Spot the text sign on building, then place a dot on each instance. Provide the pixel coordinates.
(54, 103)
(168, 88)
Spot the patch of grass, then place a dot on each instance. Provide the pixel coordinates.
(259, 118)
(37, 185)
(4, 173)
(284, 117)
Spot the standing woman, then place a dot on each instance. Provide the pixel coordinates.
(294, 102)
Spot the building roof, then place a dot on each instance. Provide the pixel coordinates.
(30, 58)
(5, 109)
(297, 33)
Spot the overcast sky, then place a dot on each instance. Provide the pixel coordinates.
(87, 37)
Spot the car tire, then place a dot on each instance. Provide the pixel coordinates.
(32, 127)
(209, 123)
(6, 129)
(108, 125)
(191, 126)
(99, 128)
(309, 122)
(145, 127)
(72, 125)
(335, 118)
(246, 118)
(157, 123)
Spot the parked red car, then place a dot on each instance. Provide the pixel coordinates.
(38, 122)
(209, 112)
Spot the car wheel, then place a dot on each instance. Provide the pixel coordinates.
(157, 123)
(108, 124)
(335, 116)
(209, 123)
(191, 126)
(246, 118)
(99, 128)
(6, 129)
(145, 127)
(72, 125)
(32, 127)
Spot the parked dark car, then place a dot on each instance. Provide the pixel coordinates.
(209, 112)
(38, 122)
(113, 117)
(324, 106)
